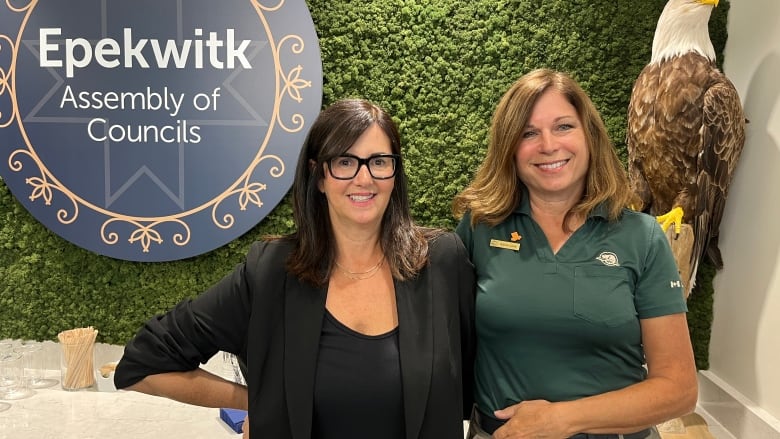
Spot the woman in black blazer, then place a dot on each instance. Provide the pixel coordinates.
(358, 325)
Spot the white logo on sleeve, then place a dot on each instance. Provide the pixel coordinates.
(675, 284)
(609, 259)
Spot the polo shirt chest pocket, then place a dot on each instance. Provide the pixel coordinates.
(603, 295)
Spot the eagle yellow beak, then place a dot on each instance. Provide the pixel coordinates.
(709, 2)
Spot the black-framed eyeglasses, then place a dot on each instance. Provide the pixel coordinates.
(380, 166)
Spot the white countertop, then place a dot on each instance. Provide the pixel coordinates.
(53, 413)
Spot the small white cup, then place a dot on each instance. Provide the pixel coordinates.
(104, 377)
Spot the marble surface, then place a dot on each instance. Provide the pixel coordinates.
(58, 414)
(53, 413)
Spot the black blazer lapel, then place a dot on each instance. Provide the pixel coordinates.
(303, 311)
(415, 330)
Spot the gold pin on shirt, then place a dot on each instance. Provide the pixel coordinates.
(513, 244)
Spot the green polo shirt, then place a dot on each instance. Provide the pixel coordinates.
(564, 326)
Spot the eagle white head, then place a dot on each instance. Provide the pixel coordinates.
(683, 28)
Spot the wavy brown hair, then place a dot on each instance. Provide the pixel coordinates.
(335, 130)
(496, 188)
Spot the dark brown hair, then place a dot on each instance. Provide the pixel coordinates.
(334, 131)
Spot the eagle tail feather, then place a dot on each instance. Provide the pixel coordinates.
(713, 253)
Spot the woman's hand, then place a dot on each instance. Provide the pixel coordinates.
(245, 427)
(530, 419)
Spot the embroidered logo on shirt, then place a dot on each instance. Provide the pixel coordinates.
(609, 259)
(675, 284)
(515, 237)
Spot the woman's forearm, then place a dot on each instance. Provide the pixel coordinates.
(642, 405)
(197, 387)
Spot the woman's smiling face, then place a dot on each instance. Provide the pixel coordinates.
(362, 200)
(552, 155)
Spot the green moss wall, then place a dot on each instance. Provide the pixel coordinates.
(439, 66)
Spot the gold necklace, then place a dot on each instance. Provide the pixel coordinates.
(360, 275)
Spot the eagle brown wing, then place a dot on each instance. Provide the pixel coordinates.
(723, 137)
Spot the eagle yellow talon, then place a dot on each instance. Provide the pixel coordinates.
(674, 216)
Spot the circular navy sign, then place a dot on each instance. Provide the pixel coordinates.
(152, 130)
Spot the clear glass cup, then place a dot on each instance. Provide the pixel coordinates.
(34, 365)
(77, 365)
(230, 365)
(4, 347)
(12, 376)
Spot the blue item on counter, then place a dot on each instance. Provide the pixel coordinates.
(234, 418)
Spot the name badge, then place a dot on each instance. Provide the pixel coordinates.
(505, 244)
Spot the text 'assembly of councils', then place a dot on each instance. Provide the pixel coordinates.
(145, 53)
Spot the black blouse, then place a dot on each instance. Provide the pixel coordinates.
(358, 389)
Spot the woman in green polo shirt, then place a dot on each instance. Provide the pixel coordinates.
(580, 311)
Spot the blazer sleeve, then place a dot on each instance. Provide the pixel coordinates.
(194, 330)
(466, 297)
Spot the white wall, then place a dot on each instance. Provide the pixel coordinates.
(745, 344)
